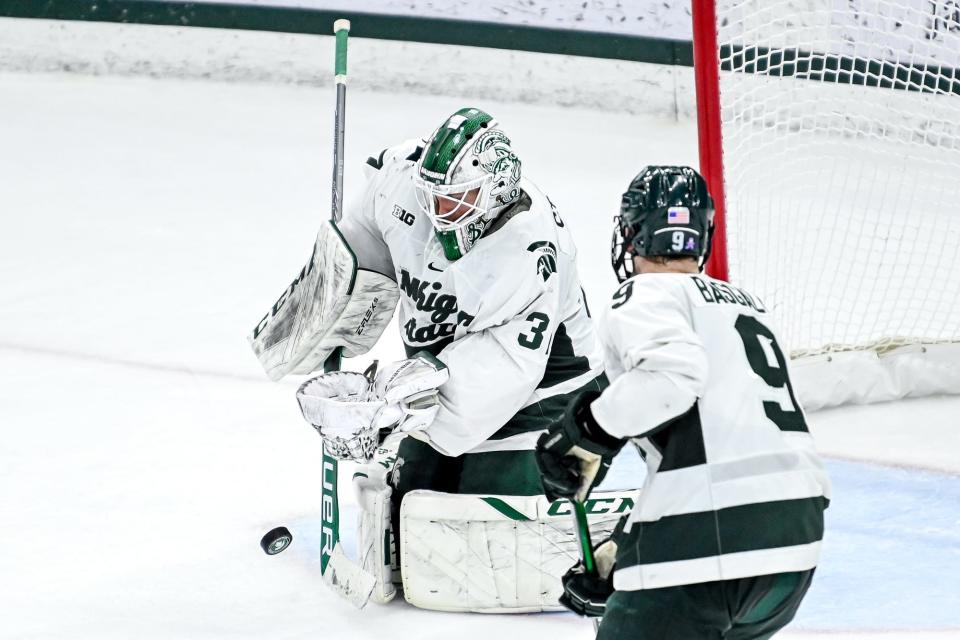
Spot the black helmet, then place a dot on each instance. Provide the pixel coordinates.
(666, 211)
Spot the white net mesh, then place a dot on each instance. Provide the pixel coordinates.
(841, 133)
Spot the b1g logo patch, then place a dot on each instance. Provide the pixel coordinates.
(403, 215)
(546, 257)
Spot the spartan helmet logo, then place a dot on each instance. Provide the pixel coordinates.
(547, 258)
(496, 157)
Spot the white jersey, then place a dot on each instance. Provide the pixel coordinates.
(509, 318)
(698, 380)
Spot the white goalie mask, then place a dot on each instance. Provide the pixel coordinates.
(466, 175)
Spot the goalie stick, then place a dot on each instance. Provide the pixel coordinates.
(340, 573)
(303, 331)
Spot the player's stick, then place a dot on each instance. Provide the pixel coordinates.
(339, 572)
(582, 528)
(583, 535)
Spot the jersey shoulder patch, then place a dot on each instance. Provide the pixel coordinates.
(523, 249)
(415, 154)
(376, 163)
(405, 152)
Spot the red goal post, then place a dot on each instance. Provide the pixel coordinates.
(829, 136)
(706, 64)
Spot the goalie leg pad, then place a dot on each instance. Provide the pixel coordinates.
(495, 554)
(374, 539)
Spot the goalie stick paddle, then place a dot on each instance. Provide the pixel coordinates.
(341, 574)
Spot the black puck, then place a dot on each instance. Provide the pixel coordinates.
(276, 540)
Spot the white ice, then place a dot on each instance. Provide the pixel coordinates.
(147, 225)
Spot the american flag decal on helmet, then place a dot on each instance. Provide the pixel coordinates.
(678, 215)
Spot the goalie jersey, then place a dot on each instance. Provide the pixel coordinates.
(699, 382)
(509, 318)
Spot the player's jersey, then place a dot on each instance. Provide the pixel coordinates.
(698, 380)
(508, 319)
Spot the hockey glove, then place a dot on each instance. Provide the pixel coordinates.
(586, 593)
(413, 386)
(575, 452)
(340, 407)
(353, 415)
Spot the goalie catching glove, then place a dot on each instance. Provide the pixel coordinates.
(575, 452)
(353, 413)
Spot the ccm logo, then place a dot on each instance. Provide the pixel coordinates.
(593, 505)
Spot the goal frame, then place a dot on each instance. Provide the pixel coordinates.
(706, 69)
(904, 362)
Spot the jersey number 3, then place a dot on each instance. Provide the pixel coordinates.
(540, 323)
(755, 335)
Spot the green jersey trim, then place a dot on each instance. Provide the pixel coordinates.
(749, 527)
(562, 363)
(540, 415)
(433, 349)
(679, 441)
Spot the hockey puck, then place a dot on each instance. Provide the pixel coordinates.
(276, 540)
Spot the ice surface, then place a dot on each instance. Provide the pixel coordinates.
(891, 557)
(146, 226)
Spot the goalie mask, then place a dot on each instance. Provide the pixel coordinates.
(666, 211)
(467, 175)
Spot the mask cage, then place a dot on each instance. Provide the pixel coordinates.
(428, 193)
(621, 254)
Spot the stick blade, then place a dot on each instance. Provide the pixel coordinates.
(347, 579)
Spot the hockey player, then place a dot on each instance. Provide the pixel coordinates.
(489, 292)
(725, 536)
(489, 285)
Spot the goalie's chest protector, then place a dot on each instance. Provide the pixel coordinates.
(734, 486)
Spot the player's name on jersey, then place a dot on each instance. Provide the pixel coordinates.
(723, 293)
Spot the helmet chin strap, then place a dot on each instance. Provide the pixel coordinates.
(709, 244)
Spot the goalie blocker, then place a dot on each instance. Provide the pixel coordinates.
(476, 553)
(330, 304)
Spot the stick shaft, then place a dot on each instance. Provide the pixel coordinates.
(583, 535)
(342, 29)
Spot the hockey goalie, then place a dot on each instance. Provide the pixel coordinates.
(498, 339)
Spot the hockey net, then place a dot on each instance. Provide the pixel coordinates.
(837, 135)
